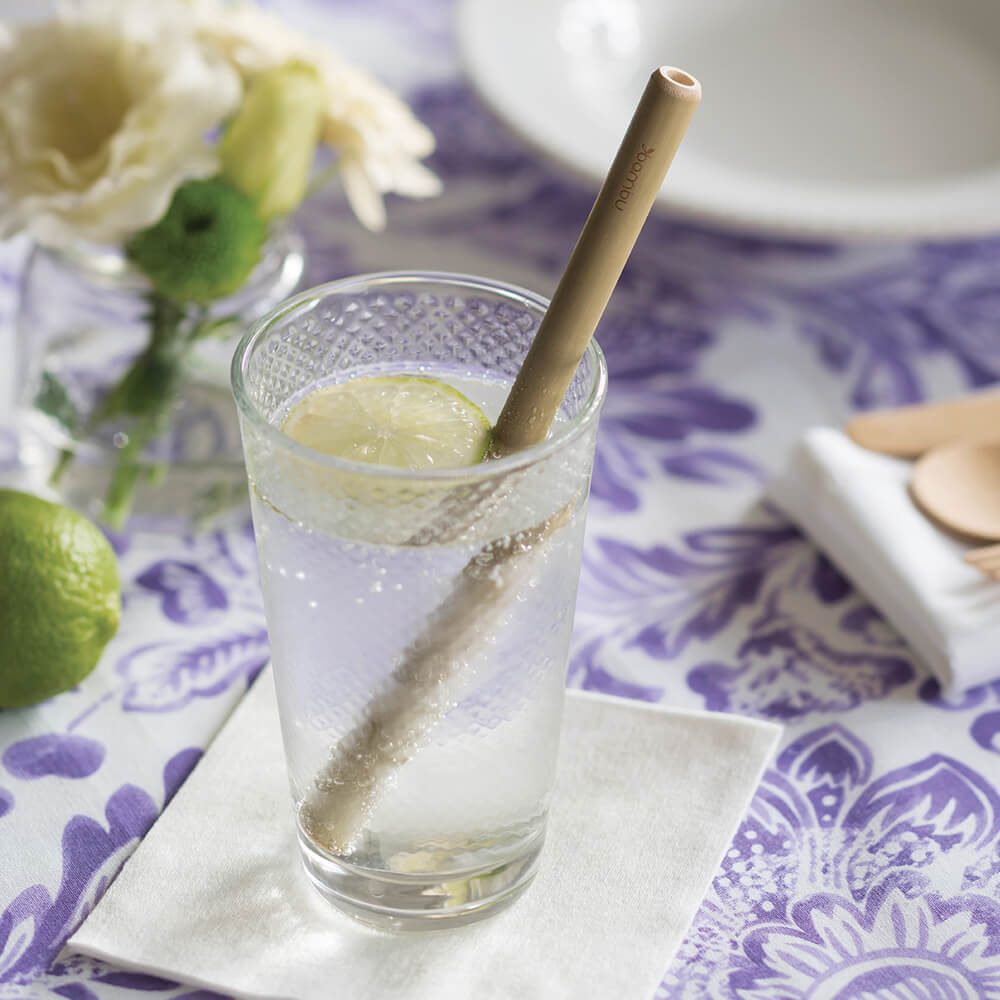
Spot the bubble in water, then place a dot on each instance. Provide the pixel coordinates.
(376, 587)
(299, 575)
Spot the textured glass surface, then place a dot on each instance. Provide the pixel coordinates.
(419, 621)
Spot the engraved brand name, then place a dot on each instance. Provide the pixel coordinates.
(625, 191)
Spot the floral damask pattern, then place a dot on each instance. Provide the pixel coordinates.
(851, 885)
(983, 702)
(786, 634)
(646, 430)
(34, 926)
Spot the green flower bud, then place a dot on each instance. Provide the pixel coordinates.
(268, 148)
(206, 244)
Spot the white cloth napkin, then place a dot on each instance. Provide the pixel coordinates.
(855, 505)
(646, 802)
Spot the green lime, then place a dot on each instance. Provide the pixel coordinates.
(60, 600)
(405, 421)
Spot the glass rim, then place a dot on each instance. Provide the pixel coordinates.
(563, 433)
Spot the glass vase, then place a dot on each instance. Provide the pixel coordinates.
(85, 320)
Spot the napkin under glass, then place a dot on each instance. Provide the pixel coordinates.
(646, 802)
(855, 505)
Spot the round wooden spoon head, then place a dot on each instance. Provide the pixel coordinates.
(959, 486)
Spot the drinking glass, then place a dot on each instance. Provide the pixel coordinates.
(419, 620)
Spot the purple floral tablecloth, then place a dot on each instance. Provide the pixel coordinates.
(869, 863)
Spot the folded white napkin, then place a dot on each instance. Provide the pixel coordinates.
(855, 505)
(646, 802)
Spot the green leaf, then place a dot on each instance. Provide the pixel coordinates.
(53, 400)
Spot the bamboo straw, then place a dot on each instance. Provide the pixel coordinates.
(621, 208)
(396, 721)
(622, 205)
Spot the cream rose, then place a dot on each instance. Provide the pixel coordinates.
(105, 111)
(378, 138)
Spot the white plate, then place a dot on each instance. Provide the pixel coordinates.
(855, 118)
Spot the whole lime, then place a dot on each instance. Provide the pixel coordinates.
(60, 598)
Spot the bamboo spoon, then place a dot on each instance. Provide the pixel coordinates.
(954, 483)
(396, 720)
(958, 486)
(909, 431)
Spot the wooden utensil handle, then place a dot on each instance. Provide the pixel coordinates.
(909, 431)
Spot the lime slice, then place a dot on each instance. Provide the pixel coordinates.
(405, 421)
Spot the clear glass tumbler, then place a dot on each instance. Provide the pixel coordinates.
(419, 620)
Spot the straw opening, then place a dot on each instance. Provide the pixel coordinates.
(678, 76)
(677, 84)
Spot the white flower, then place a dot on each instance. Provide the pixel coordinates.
(377, 136)
(104, 112)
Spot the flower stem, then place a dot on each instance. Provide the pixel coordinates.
(146, 393)
(64, 461)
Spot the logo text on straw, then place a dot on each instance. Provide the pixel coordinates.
(625, 191)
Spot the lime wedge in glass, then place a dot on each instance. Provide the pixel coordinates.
(404, 421)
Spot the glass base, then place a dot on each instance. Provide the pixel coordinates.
(393, 902)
